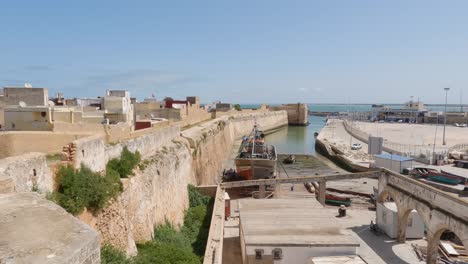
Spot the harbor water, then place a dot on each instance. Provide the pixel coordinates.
(296, 139)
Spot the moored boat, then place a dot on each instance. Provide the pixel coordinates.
(256, 159)
(337, 200)
(436, 176)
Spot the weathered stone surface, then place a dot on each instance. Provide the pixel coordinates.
(35, 230)
(28, 171)
(156, 194)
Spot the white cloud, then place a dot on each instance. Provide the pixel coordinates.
(302, 89)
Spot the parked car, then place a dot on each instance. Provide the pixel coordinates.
(400, 121)
(381, 121)
(356, 146)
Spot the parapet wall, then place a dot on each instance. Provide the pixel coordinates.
(28, 172)
(94, 153)
(20, 142)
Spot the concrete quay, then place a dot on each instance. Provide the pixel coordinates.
(334, 142)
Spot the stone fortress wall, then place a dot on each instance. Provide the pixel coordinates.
(297, 113)
(158, 192)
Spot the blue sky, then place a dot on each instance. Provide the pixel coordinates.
(239, 51)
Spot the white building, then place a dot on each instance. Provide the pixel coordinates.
(290, 231)
(118, 107)
(393, 162)
(387, 220)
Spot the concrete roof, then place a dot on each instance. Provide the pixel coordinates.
(393, 157)
(290, 222)
(338, 260)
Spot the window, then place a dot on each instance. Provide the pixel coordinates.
(277, 253)
(34, 172)
(43, 114)
(258, 253)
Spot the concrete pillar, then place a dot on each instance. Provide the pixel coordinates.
(322, 191)
(262, 191)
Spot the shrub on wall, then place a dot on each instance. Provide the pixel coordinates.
(125, 164)
(111, 255)
(184, 246)
(82, 188)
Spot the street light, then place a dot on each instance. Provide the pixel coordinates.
(445, 115)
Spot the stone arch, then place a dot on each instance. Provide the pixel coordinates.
(434, 240)
(403, 218)
(387, 192)
(409, 204)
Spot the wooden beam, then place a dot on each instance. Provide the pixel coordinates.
(316, 178)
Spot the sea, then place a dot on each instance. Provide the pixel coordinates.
(362, 107)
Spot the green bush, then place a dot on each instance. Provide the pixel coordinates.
(82, 188)
(111, 255)
(166, 234)
(196, 198)
(237, 107)
(161, 253)
(125, 164)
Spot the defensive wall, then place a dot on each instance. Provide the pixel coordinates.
(158, 190)
(20, 142)
(26, 172)
(297, 113)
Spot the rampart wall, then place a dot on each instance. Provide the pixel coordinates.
(27, 172)
(20, 142)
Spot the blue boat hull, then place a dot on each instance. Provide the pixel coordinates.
(444, 179)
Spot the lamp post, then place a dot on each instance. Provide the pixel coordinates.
(445, 115)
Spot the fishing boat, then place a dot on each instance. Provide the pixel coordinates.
(436, 176)
(256, 159)
(337, 200)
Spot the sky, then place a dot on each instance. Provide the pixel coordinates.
(239, 51)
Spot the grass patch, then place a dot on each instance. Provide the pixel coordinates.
(53, 157)
(184, 246)
(111, 255)
(125, 164)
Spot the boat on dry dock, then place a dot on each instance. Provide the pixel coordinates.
(256, 159)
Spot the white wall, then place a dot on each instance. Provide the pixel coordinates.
(292, 255)
(387, 219)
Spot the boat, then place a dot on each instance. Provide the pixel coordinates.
(337, 200)
(289, 159)
(436, 176)
(443, 178)
(256, 159)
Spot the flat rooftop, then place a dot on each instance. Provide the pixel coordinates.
(338, 260)
(291, 222)
(35, 230)
(393, 157)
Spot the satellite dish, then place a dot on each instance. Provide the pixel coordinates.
(22, 104)
(50, 103)
(27, 85)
